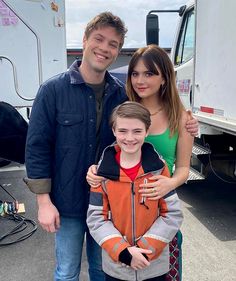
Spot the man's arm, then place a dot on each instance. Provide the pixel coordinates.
(40, 142)
(192, 125)
(39, 155)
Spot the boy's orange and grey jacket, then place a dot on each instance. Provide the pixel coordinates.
(118, 218)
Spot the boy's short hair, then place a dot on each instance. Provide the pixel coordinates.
(107, 19)
(132, 110)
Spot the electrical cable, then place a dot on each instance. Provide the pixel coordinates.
(213, 170)
(9, 212)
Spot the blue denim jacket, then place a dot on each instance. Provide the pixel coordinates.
(61, 140)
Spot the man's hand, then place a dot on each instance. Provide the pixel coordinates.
(92, 178)
(192, 125)
(48, 215)
(138, 260)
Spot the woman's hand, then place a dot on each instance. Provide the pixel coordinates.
(92, 178)
(157, 189)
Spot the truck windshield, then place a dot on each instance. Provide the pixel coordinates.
(185, 47)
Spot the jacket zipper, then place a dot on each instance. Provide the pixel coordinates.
(133, 221)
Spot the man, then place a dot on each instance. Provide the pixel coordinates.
(68, 129)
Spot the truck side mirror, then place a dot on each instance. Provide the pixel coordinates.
(152, 29)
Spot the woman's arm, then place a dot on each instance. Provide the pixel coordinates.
(183, 154)
(163, 185)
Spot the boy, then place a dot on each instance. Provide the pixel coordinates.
(132, 231)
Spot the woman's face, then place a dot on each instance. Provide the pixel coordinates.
(145, 83)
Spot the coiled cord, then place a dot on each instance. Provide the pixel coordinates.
(8, 211)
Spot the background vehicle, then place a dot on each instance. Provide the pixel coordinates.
(204, 58)
(32, 49)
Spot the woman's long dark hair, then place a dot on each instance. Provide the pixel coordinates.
(153, 57)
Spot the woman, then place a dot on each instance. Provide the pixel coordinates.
(151, 81)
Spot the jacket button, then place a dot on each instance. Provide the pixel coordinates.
(66, 121)
(90, 145)
(91, 120)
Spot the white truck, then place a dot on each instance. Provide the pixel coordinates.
(204, 59)
(32, 49)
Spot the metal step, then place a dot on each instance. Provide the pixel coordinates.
(13, 166)
(194, 175)
(200, 150)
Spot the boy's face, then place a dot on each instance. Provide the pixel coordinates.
(130, 134)
(101, 48)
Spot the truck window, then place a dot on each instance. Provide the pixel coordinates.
(185, 46)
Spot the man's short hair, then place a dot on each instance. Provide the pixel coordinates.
(132, 110)
(106, 19)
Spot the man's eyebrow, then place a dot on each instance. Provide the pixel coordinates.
(98, 34)
(112, 41)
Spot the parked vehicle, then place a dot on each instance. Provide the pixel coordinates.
(32, 49)
(204, 58)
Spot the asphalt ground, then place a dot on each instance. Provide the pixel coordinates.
(209, 231)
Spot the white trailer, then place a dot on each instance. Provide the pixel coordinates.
(204, 58)
(215, 88)
(32, 48)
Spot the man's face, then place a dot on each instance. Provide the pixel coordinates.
(101, 48)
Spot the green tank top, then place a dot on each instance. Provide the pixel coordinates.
(165, 146)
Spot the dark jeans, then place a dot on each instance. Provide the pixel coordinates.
(159, 278)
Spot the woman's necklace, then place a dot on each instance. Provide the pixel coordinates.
(154, 113)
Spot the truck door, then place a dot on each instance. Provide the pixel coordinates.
(182, 57)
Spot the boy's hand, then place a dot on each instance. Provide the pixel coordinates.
(92, 178)
(138, 260)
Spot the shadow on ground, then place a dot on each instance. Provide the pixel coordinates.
(213, 202)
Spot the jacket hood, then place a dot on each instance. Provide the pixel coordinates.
(110, 169)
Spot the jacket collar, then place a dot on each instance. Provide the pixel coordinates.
(76, 77)
(109, 168)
